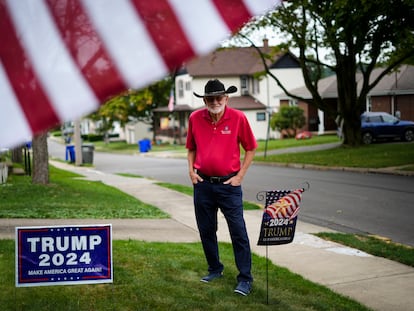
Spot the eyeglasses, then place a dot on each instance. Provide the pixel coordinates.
(211, 99)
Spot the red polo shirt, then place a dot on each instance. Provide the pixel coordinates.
(217, 146)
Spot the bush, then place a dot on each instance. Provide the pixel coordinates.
(97, 137)
(288, 120)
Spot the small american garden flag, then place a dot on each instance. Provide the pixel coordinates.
(279, 216)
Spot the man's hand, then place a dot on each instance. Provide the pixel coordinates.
(234, 181)
(195, 178)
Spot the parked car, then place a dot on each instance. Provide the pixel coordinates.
(304, 135)
(382, 125)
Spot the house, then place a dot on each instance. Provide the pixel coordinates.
(239, 66)
(393, 94)
(134, 131)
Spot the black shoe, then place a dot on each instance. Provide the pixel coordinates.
(243, 288)
(211, 276)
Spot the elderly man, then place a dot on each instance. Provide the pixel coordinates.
(215, 135)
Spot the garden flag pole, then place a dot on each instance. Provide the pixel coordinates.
(279, 219)
(61, 59)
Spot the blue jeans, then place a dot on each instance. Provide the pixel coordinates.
(208, 198)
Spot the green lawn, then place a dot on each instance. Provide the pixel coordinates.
(274, 144)
(373, 245)
(165, 276)
(369, 156)
(67, 196)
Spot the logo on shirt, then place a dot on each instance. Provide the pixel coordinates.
(226, 130)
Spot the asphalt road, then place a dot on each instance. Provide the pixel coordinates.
(379, 204)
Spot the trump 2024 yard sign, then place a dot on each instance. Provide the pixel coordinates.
(63, 255)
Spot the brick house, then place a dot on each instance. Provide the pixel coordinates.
(393, 94)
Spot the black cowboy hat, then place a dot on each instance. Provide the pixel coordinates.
(216, 88)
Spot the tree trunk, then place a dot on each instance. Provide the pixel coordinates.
(40, 160)
(347, 99)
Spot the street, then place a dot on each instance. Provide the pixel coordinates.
(379, 204)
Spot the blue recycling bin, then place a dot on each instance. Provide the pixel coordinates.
(70, 153)
(144, 145)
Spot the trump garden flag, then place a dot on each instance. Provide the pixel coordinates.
(279, 216)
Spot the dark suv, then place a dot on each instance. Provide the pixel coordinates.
(382, 125)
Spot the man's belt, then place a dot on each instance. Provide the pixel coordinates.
(216, 179)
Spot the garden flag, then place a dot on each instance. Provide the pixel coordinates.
(279, 216)
(61, 59)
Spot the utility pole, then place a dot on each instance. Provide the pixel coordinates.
(78, 142)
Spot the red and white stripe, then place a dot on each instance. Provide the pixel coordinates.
(61, 59)
(287, 206)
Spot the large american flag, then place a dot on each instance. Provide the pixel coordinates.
(61, 59)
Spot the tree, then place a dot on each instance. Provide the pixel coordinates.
(40, 160)
(133, 105)
(361, 35)
(287, 120)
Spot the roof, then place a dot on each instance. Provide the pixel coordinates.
(326, 87)
(399, 82)
(177, 108)
(237, 102)
(246, 102)
(234, 61)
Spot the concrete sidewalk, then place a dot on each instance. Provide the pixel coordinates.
(378, 283)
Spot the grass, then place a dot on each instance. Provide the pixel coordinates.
(275, 144)
(180, 188)
(369, 156)
(67, 196)
(165, 276)
(373, 245)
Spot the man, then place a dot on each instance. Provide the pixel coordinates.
(213, 142)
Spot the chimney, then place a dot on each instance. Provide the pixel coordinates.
(265, 42)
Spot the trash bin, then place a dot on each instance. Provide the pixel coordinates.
(87, 153)
(144, 145)
(70, 153)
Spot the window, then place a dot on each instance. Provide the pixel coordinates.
(293, 102)
(256, 86)
(261, 116)
(188, 86)
(180, 88)
(244, 85)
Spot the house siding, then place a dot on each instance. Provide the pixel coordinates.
(402, 103)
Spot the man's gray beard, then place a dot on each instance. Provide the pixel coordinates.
(216, 110)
